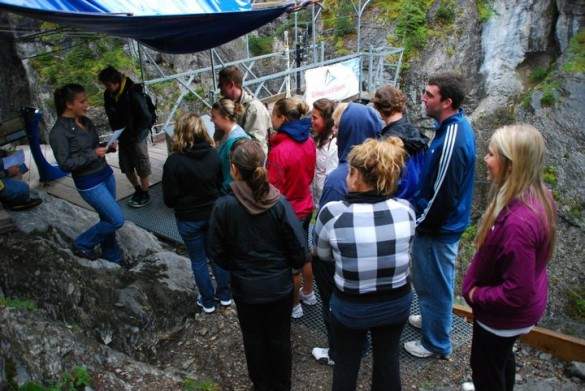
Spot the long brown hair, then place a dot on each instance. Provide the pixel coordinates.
(520, 149)
(325, 107)
(249, 158)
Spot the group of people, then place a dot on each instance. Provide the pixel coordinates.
(388, 207)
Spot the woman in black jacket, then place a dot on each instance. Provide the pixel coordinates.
(255, 234)
(191, 180)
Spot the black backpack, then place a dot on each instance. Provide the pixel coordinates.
(150, 105)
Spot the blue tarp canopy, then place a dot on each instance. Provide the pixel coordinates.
(181, 26)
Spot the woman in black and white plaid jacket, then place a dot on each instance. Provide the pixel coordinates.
(368, 236)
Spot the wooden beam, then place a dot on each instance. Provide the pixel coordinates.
(559, 345)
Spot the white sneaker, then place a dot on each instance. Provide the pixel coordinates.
(468, 386)
(416, 349)
(415, 321)
(297, 311)
(226, 303)
(207, 310)
(322, 356)
(308, 299)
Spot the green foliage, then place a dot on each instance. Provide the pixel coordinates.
(79, 60)
(576, 62)
(344, 23)
(340, 48)
(484, 10)
(446, 12)
(18, 304)
(549, 176)
(548, 98)
(199, 385)
(75, 380)
(576, 303)
(260, 45)
(538, 75)
(412, 24)
(469, 234)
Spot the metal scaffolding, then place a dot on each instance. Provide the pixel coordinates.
(378, 66)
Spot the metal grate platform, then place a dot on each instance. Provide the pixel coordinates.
(155, 217)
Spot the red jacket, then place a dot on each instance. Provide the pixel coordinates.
(291, 165)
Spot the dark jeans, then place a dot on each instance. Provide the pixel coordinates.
(492, 361)
(323, 273)
(266, 334)
(348, 355)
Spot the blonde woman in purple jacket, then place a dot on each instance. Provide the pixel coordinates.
(506, 283)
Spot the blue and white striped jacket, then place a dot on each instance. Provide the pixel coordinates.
(443, 204)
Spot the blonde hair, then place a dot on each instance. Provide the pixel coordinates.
(227, 108)
(189, 130)
(339, 110)
(380, 163)
(293, 108)
(520, 149)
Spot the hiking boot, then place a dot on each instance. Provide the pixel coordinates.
(297, 311)
(84, 253)
(322, 356)
(29, 204)
(307, 298)
(415, 321)
(207, 310)
(416, 349)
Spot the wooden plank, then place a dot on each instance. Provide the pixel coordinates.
(559, 345)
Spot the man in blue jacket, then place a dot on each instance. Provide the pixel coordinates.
(443, 207)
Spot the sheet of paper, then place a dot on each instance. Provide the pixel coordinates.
(15, 159)
(114, 137)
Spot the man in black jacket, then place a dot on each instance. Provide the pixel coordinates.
(126, 107)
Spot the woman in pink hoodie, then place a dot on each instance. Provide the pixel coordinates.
(506, 283)
(291, 167)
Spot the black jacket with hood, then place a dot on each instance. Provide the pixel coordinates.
(259, 247)
(128, 109)
(191, 181)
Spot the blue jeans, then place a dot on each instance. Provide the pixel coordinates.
(15, 191)
(433, 261)
(194, 234)
(103, 199)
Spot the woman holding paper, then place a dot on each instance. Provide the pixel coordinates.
(75, 144)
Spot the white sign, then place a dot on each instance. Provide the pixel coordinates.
(336, 82)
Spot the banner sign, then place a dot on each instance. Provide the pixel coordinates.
(336, 82)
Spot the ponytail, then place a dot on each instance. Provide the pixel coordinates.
(66, 94)
(249, 158)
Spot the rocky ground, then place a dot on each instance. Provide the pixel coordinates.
(138, 328)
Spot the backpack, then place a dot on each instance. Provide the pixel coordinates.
(150, 106)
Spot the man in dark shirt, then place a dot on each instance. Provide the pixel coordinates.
(126, 107)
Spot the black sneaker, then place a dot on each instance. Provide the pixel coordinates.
(31, 203)
(142, 199)
(135, 197)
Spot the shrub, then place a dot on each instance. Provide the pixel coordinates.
(199, 385)
(550, 176)
(18, 304)
(548, 98)
(412, 25)
(260, 45)
(538, 75)
(484, 10)
(576, 62)
(446, 12)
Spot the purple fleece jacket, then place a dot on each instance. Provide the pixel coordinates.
(509, 270)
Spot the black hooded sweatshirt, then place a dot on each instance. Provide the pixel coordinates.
(191, 182)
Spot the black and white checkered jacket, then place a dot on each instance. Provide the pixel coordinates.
(369, 242)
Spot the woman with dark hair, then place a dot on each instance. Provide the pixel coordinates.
(191, 182)
(506, 283)
(291, 167)
(224, 114)
(260, 258)
(75, 144)
(326, 140)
